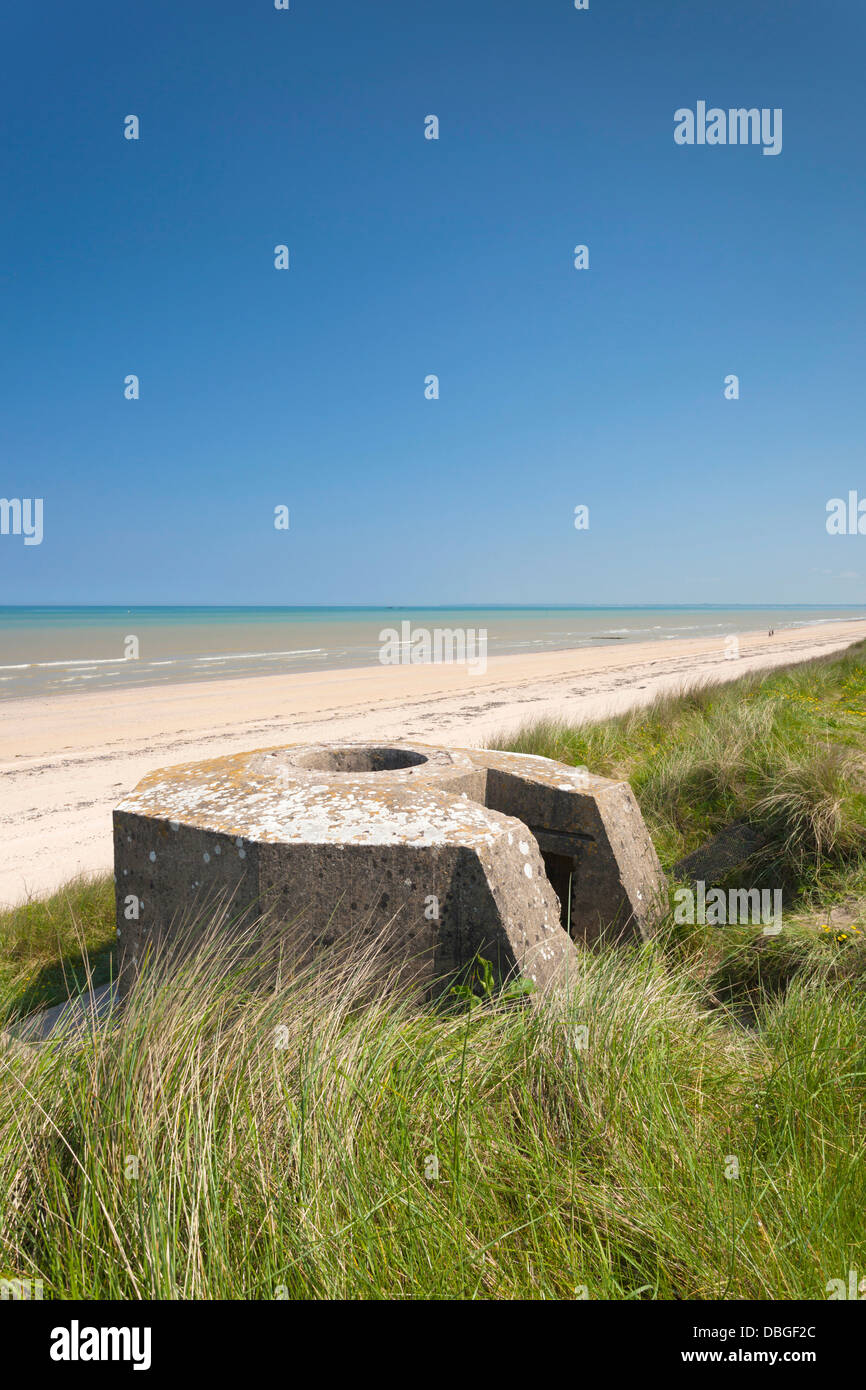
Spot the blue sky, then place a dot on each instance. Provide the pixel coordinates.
(409, 257)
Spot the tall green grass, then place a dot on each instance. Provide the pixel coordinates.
(233, 1140)
(52, 947)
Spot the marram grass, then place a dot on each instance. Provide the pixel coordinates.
(233, 1140)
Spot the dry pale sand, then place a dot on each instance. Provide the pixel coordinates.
(66, 760)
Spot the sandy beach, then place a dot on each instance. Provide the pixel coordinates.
(66, 760)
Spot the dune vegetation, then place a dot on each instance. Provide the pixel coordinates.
(685, 1122)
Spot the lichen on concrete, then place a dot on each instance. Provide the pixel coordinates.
(444, 853)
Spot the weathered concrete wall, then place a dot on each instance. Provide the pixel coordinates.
(439, 853)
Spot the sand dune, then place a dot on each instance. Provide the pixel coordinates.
(65, 761)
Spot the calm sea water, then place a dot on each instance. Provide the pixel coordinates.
(52, 650)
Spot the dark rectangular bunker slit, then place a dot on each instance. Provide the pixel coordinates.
(561, 870)
(560, 851)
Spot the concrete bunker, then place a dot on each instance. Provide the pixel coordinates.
(444, 853)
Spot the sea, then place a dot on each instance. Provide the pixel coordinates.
(55, 650)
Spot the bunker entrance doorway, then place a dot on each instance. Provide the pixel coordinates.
(561, 870)
(561, 854)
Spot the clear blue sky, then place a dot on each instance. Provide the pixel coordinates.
(410, 257)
